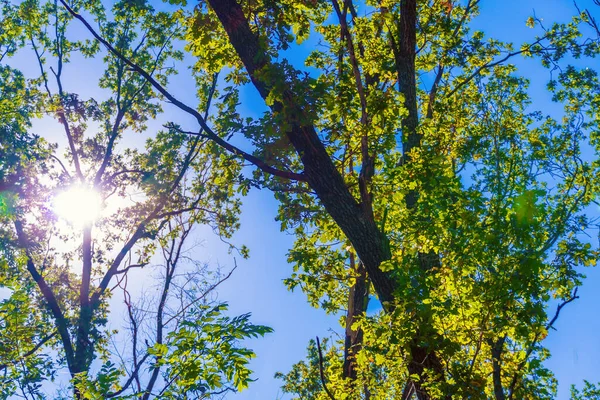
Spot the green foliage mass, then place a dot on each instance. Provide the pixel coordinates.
(407, 154)
(57, 326)
(590, 391)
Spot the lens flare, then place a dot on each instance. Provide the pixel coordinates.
(78, 205)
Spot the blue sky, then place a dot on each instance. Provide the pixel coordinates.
(256, 286)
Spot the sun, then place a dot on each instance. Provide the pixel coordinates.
(78, 205)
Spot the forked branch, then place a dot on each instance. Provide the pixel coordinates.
(184, 107)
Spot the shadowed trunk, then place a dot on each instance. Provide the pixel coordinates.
(322, 175)
(84, 350)
(424, 361)
(497, 348)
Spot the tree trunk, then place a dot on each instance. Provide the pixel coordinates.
(84, 348)
(424, 360)
(321, 173)
(358, 299)
(497, 348)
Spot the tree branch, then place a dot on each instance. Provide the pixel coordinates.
(61, 164)
(172, 255)
(141, 229)
(206, 292)
(549, 325)
(368, 167)
(440, 73)
(491, 64)
(30, 352)
(321, 173)
(322, 374)
(62, 117)
(201, 120)
(319, 169)
(59, 318)
(122, 110)
(109, 147)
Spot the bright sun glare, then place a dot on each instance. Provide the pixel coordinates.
(78, 205)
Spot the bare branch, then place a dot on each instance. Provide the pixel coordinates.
(206, 293)
(573, 297)
(124, 270)
(172, 255)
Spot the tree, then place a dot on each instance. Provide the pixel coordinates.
(461, 206)
(61, 276)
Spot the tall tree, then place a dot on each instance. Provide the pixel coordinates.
(61, 276)
(408, 146)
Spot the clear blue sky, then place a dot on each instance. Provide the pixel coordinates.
(257, 286)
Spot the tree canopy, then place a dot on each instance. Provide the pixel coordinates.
(61, 276)
(408, 157)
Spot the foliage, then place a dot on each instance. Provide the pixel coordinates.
(303, 380)
(58, 277)
(408, 156)
(482, 200)
(590, 391)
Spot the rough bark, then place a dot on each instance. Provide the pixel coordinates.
(320, 172)
(405, 55)
(424, 360)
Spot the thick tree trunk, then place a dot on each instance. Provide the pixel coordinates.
(497, 348)
(84, 350)
(424, 360)
(321, 173)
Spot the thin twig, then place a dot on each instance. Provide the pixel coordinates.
(209, 290)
